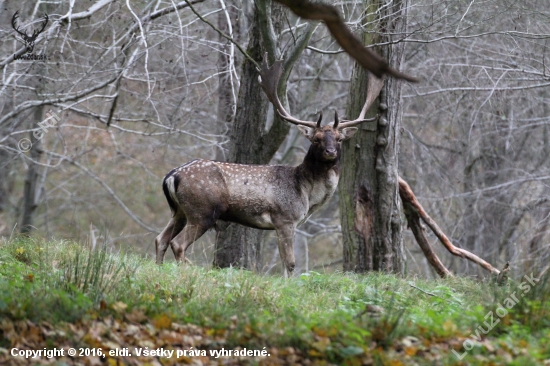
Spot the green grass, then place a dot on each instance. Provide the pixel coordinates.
(322, 315)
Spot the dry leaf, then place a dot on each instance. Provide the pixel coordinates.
(162, 322)
(119, 306)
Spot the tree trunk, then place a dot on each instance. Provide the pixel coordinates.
(226, 63)
(236, 245)
(368, 189)
(4, 183)
(31, 188)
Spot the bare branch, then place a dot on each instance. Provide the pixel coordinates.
(245, 54)
(108, 189)
(34, 103)
(413, 219)
(407, 195)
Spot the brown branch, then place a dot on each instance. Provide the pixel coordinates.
(408, 196)
(343, 35)
(413, 219)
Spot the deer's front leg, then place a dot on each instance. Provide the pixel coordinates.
(286, 247)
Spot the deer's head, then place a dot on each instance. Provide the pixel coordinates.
(325, 140)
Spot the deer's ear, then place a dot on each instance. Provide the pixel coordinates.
(348, 132)
(306, 131)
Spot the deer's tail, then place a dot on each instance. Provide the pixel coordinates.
(169, 186)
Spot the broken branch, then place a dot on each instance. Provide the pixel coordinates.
(408, 197)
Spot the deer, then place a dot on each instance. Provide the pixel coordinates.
(270, 197)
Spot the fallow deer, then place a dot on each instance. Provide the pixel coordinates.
(269, 197)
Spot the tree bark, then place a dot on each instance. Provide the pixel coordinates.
(31, 188)
(368, 190)
(226, 61)
(236, 245)
(5, 182)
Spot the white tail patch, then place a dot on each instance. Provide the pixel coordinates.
(172, 189)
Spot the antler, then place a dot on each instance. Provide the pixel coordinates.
(13, 20)
(374, 85)
(269, 81)
(43, 25)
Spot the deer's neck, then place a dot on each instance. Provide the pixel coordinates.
(314, 167)
(318, 179)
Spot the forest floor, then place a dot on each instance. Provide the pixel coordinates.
(58, 298)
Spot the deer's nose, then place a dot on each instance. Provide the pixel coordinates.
(330, 151)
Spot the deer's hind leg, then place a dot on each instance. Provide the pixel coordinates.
(199, 221)
(174, 227)
(190, 233)
(202, 207)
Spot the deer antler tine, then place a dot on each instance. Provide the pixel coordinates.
(336, 121)
(374, 85)
(269, 81)
(320, 119)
